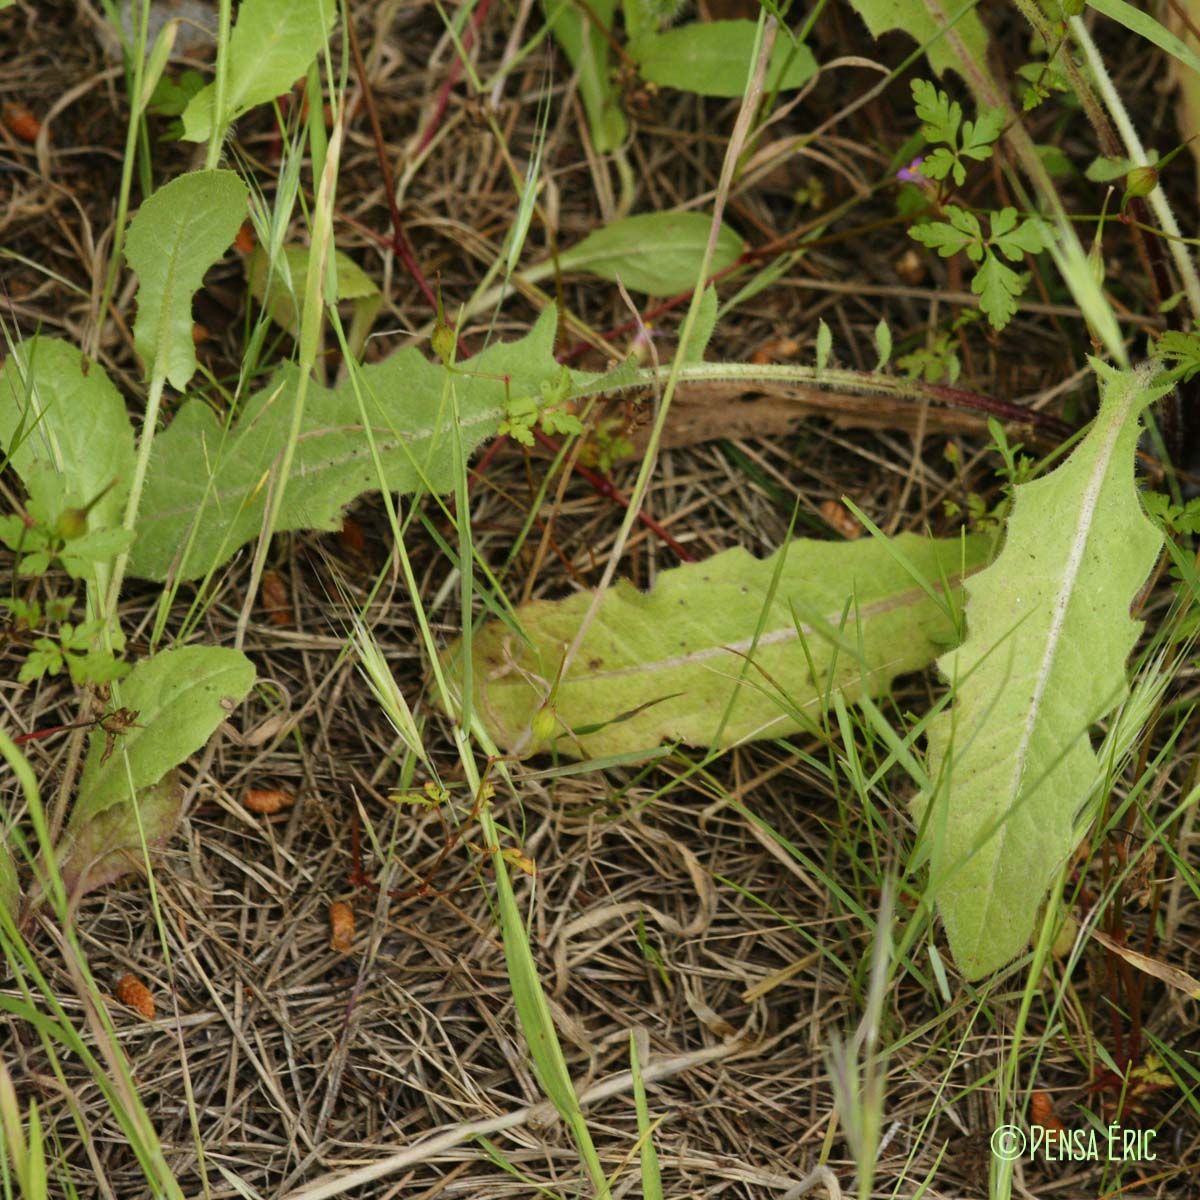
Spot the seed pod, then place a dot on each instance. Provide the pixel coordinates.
(341, 926)
(133, 993)
(266, 801)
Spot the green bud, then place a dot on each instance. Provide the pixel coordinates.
(543, 725)
(71, 523)
(443, 342)
(1141, 181)
(1073, 8)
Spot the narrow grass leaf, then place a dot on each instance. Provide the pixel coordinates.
(652, 1188)
(582, 36)
(1044, 659)
(280, 292)
(185, 227)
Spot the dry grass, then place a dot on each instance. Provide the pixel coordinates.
(658, 903)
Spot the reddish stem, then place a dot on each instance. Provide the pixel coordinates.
(443, 96)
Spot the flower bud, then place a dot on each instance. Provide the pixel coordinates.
(1141, 181)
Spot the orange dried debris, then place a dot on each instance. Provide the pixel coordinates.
(133, 993)
(341, 927)
(266, 801)
(274, 597)
(22, 124)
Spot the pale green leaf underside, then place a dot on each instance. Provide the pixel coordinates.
(714, 58)
(206, 489)
(682, 648)
(1048, 636)
(67, 431)
(270, 48)
(185, 227)
(181, 697)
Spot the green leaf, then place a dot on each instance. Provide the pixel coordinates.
(979, 135)
(180, 696)
(185, 227)
(702, 331)
(1145, 26)
(998, 287)
(667, 665)
(883, 344)
(824, 345)
(916, 21)
(1015, 241)
(940, 116)
(280, 294)
(942, 162)
(208, 484)
(587, 49)
(10, 888)
(270, 48)
(940, 236)
(66, 430)
(713, 58)
(659, 254)
(1048, 635)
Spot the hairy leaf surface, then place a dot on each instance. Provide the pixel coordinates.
(175, 237)
(66, 430)
(666, 665)
(1048, 635)
(181, 696)
(207, 486)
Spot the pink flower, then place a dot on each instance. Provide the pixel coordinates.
(910, 173)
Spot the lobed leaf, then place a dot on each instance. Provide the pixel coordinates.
(1048, 635)
(667, 664)
(207, 486)
(185, 227)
